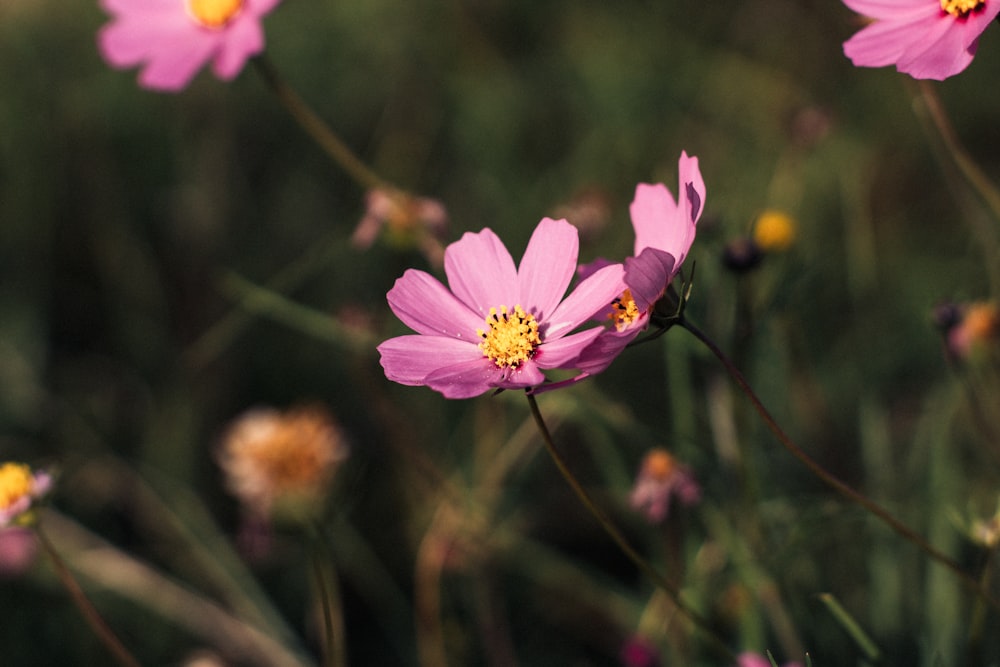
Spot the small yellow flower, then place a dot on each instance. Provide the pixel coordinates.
(774, 231)
(282, 463)
(19, 488)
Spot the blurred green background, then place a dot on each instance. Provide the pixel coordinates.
(127, 341)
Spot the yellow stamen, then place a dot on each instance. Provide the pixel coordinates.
(16, 482)
(511, 338)
(213, 13)
(625, 311)
(961, 8)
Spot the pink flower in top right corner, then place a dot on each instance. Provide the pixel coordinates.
(927, 39)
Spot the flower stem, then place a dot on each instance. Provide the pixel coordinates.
(316, 128)
(856, 497)
(86, 607)
(335, 646)
(617, 536)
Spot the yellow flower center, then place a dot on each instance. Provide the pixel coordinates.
(213, 13)
(511, 338)
(659, 464)
(625, 311)
(961, 8)
(16, 482)
(774, 231)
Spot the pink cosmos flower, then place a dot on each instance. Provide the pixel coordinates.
(927, 39)
(172, 39)
(664, 231)
(496, 325)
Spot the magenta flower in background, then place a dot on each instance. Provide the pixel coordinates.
(660, 478)
(927, 39)
(496, 325)
(758, 660)
(172, 39)
(664, 231)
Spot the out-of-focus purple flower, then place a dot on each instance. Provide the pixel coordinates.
(19, 489)
(969, 329)
(172, 39)
(927, 39)
(660, 478)
(758, 660)
(639, 652)
(18, 548)
(496, 326)
(664, 231)
(405, 221)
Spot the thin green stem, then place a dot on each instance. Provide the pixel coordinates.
(616, 535)
(856, 497)
(328, 590)
(316, 128)
(975, 176)
(86, 607)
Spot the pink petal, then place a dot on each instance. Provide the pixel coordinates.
(659, 221)
(690, 193)
(172, 69)
(898, 10)
(131, 40)
(474, 378)
(134, 8)
(648, 276)
(652, 211)
(481, 272)
(590, 297)
(244, 38)
(410, 359)
(564, 352)
(426, 306)
(606, 348)
(547, 267)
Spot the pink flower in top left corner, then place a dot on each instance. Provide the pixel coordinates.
(172, 39)
(498, 326)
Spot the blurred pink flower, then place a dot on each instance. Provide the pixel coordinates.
(172, 39)
(758, 660)
(664, 231)
(660, 478)
(498, 326)
(19, 489)
(927, 39)
(404, 220)
(639, 652)
(18, 549)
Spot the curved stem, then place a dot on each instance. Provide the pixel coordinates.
(86, 607)
(316, 128)
(616, 535)
(856, 497)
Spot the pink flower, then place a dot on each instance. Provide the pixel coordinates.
(498, 326)
(172, 39)
(758, 660)
(927, 39)
(660, 478)
(664, 231)
(405, 221)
